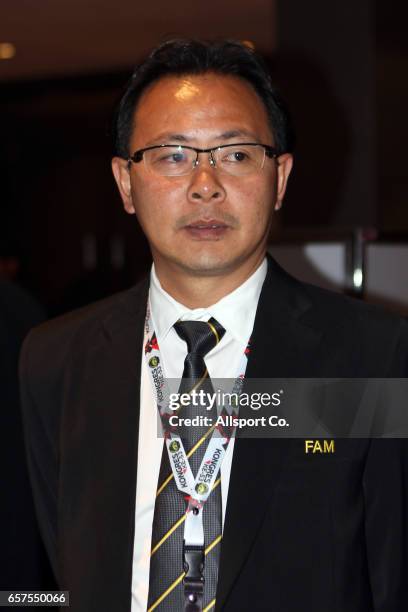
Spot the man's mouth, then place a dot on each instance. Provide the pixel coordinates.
(206, 230)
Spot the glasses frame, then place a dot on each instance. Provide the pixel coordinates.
(137, 156)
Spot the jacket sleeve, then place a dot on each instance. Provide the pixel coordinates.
(385, 485)
(386, 510)
(41, 428)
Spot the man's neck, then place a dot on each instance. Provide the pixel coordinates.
(200, 291)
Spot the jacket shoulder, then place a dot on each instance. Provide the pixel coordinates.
(371, 332)
(337, 308)
(47, 346)
(364, 339)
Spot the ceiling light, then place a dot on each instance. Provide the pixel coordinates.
(249, 44)
(7, 50)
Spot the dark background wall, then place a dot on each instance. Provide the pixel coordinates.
(340, 65)
(331, 51)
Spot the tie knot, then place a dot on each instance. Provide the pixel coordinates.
(200, 336)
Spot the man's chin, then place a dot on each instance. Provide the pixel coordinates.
(207, 265)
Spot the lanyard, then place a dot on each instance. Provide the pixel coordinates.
(198, 489)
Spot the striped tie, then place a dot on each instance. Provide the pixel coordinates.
(166, 590)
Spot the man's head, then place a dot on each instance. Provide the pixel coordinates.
(191, 57)
(204, 214)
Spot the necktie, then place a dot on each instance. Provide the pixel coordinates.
(166, 589)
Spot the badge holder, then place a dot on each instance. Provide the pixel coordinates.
(193, 562)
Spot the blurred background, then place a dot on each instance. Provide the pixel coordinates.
(64, 238)
(342, 67)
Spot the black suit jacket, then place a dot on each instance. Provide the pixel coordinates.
(322, 532)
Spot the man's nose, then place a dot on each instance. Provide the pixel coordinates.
(205, 184)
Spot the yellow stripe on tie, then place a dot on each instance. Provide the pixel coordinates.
(165, 483)
(200, 441)
(210, 605)
(168, 534)
(177, 524)
(214, 331)
(216, 483)
(213, 543)
(204, 376)
(180, 578)
(166, 592)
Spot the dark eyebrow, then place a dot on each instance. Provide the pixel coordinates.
(168, 137)
(235, 134)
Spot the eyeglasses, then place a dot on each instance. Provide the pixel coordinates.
(237, 159)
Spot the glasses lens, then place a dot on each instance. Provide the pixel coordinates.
(170, 161)
(240, 159)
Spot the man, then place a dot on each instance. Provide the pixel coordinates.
(202, 158)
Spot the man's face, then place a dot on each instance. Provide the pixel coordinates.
(207, 222)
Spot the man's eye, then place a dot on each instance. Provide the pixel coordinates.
(173, 158)
(236, 157)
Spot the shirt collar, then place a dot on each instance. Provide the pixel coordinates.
(235, 311)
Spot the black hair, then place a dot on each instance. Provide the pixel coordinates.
(193, 57)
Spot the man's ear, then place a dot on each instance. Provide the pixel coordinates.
(284, 164)
(121, 173)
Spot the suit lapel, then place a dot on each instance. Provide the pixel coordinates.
(103, 422)
(282, 345)
(125, 333)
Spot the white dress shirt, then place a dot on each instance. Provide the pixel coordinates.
(236, 313)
